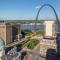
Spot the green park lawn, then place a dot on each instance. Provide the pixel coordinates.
(30, 44)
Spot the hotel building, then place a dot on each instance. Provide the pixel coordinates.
(9, 32)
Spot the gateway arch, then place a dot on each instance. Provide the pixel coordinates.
(53, 44)
(48, 24)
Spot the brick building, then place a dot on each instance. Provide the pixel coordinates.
(9, 32)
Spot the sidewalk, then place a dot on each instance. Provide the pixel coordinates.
(14, 43)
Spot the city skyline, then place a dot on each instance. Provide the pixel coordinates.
(27, 9)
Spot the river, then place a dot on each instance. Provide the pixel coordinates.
(38, 27)
(31, 27)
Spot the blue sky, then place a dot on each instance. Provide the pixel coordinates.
(27, 9)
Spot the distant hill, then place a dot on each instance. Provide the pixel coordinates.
(23, 21)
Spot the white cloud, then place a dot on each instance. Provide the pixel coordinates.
(38, 6)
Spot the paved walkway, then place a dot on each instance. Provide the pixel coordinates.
(35, 54)
(16, 42)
